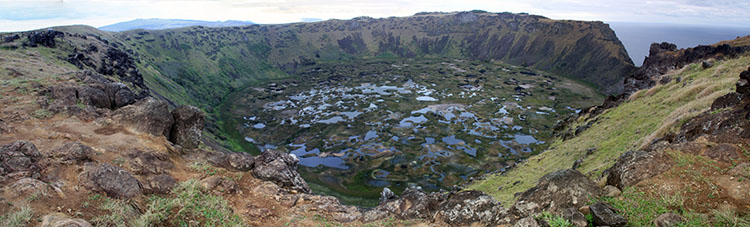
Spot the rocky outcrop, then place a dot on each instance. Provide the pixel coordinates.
(558, 190)
(112, 180)
(18, 160)
(280, 168)
(663, 57)
(188, 126)
(635, 166)
(732, 120)
(43, 38)
(461, 208)
(149, 115)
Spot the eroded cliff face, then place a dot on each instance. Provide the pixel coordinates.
(223, 59)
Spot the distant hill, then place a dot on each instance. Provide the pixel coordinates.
(156, 24)
(637, 37)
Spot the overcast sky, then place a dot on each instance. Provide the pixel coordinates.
(33, 14)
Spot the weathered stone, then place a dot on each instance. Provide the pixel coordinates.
(562, 189)
(62, 220)
(574, 217)
(93, 97)
(668, 220)
(112, 180)
(188, 126)
(147, 162)
(159, 184)
(611, 191)
(635, 166)
(605, 215)
(149, 115)
(18, 160)
(280, 168)
(28, 186)
(220, 184)
(728, 100)
(73, 152)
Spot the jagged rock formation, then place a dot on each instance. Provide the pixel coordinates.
(664, 56)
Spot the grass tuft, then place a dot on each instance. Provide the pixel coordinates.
(17, 218)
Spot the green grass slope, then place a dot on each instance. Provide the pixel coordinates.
(646, 115)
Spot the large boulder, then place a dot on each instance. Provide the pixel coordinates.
(93, 97)
(280, 168)
(188, 126)
(743, 85)
(149, 115)
(562, 189)
(635, 166)
(112, 180)
(18, 160)
(73, 152)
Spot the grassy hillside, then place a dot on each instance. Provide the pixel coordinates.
(646, 115)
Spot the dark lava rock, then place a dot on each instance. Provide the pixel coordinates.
(280, 168)
(635, 166)
(707, 64)
(149, 115)
(112, 180)
(73, 152)
(728, 100)
(117, 62)
(93, 97)
(743, 85)
(668, 220)
(188, 126)
(605, 215)
(159, 184)
(562, 189)
(11, 38)
(18, 160)
(44, 38)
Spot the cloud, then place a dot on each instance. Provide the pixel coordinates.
(31, 14)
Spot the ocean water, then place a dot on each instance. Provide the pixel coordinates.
(637, 37)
